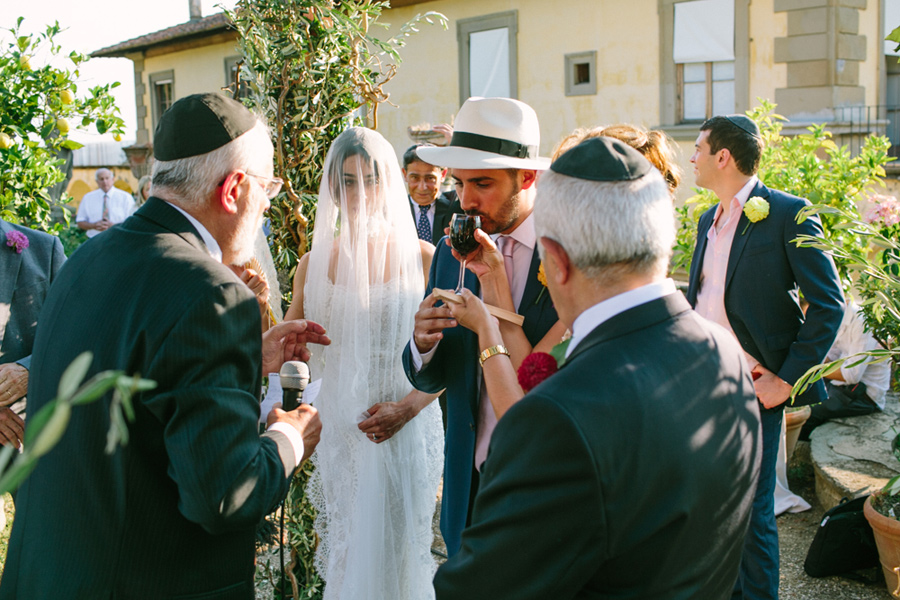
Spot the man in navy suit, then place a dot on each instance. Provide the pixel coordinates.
(747, 273)
(493, 157)
(431, 209)
(27, 268)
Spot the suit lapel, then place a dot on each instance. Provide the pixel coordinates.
(699, 253)
(10, 261)
(742, 234)
(441, 218)
(635, 318)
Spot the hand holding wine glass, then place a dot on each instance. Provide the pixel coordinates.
(462, 239)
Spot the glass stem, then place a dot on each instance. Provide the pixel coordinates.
(462, 274)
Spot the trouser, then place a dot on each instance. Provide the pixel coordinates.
(758, 574)
(851, 400)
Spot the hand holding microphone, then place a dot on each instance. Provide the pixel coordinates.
(294, 377)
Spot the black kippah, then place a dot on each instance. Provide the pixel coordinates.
(602, 159)
(198, 124)
(745, 123)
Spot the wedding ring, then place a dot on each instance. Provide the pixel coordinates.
(374, 438)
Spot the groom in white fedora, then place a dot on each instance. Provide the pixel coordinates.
(494, 162)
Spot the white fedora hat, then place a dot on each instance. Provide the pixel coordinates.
(491, 133)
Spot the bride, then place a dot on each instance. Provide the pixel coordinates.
(377, 467)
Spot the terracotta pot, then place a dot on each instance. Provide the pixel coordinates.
(793, 421)
(887, 538)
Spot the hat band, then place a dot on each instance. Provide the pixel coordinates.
(464, 139)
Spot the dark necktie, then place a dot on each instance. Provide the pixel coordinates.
(423, 227)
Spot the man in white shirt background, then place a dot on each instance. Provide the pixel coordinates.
(854, 389)
(104, 207)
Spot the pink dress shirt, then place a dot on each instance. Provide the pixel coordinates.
(719, 238)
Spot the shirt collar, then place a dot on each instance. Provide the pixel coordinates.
(524, 233)
(212, 247)
(418, 206)
(593, 317)
(741, 197)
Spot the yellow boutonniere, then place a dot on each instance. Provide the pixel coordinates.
(542, 277)
(756, 210)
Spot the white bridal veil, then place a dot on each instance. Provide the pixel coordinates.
(364, 283)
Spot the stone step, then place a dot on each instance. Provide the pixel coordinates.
(852, 456)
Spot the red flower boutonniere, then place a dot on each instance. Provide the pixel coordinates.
(538, 366)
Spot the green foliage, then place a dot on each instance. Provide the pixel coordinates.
(38, 106)
(47, 426)
(313, 68)
(809, 165)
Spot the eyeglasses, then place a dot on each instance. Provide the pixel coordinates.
(272, 185)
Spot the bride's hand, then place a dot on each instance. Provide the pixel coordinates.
(385, 420)
(471, 313)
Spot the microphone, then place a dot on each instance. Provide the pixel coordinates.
(294, 377)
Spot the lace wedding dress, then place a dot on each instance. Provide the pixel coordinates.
(375, 502)
(364, 283)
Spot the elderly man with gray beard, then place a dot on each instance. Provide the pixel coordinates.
(174, 512)
(628, 473)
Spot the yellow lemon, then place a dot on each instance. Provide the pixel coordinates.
(62, 125)
(5, 141)
(117, 137)
(25, 62)
(66, 97)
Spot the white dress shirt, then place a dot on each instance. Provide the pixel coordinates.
(593, 317)
(120, 205)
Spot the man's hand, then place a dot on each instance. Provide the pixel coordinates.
(256, 282)
(13, 383)
(287, 341)
(771, 390)
(387, 418)
(430, 323)
(446, 130)
(103, 224)
(12, 428)
(305, 419)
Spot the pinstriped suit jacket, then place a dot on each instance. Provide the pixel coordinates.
(172, 514)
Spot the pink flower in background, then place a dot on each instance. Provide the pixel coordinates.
(17, 241)
(886, 211)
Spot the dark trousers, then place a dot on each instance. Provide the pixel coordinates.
(758, 574)
(842, 401)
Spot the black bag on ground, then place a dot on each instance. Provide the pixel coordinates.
(844, 541)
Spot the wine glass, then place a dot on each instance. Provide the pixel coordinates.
(462, 238)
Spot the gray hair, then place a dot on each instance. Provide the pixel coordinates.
(192, 180)
(102, 170)
(626, 225)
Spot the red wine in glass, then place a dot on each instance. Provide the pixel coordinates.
(462, 238)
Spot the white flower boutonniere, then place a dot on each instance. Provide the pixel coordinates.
(756, 210)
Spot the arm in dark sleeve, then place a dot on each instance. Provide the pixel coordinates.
(537, 528)
(431, 378)
(56, 259)
(228, 476)
(817, 277)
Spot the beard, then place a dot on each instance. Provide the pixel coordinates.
(245, 239)
(505, 216)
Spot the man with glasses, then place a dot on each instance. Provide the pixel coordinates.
(174, 512)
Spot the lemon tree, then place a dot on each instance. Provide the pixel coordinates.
(39, 105)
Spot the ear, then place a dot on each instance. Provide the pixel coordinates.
(443, 174)
(528, 178)
(404, 173)
(228, 193)
(723, 157)
(555, 253)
